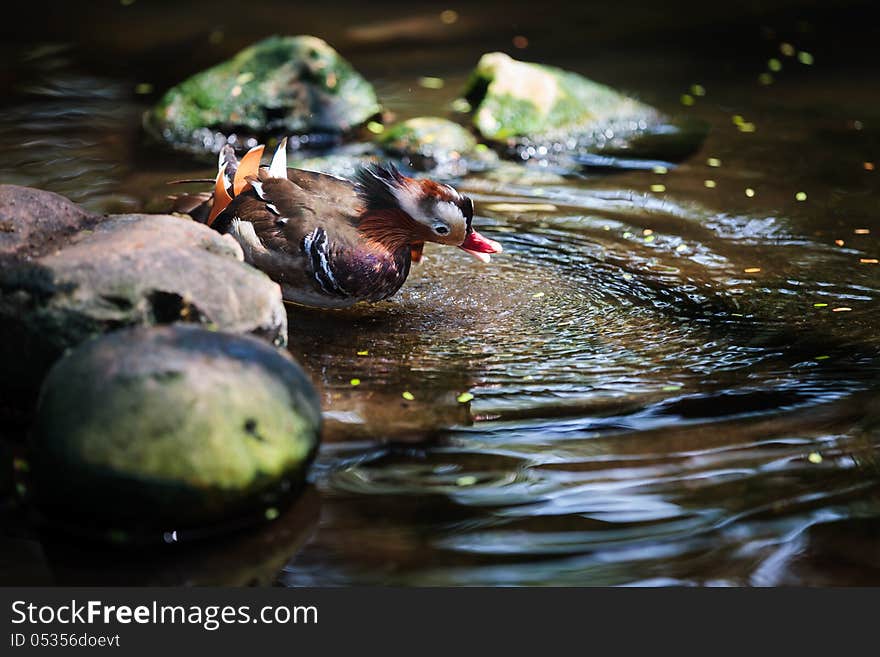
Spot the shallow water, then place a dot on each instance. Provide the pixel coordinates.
(673, 386)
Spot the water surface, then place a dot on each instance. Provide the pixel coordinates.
(669, 377)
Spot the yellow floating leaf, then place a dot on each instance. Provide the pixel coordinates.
(521, 207)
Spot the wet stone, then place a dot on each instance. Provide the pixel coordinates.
(170, 427)
(276, 87)
(547, 114)
(128, 270)
(429, 143)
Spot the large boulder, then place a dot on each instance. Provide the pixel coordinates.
(544, 112)
(279, 86)
(170, 428)
(126, 270)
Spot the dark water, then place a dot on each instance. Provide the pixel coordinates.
(671, 385)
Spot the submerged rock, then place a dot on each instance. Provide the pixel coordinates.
(128, 270)
(429, 143)
(546, 113)
(170, 428)
(279, 86)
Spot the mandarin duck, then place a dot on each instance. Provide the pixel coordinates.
(330, 242)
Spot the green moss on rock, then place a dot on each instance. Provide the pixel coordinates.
(171, 427)
(278, 86)
(522, 99)
(543, 112)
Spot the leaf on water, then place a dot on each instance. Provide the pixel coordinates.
(521, 207)
(464, 398)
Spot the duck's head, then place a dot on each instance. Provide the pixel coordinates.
(426, 210)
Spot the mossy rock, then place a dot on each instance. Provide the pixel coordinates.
(170, 428)
(279, 86)
(127, 270)
(546, 113)
(429, 143)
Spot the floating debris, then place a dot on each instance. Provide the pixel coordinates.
(814, 458)
(681, 248)
(862, 231)
(868, 261)
(787, 49)
(822, 357)
(752, 270)
(461, 106)
(839, 242)
(431, 83)
(355, 382)
(464, 398)
(658, 188)
(467, 480)
(742, 125)
(805, 58)
(841, 309)
(713, 162)
(375, 127)
(800, 196)
(521, 42)
(649, 239)
(647, 231)
(766, 79)
(710, 184)
(660, 170)
(522, 207)
(408, 396)
(820, 305)
(687, 100)
(750, 192)
(272, 513)
(449, 16)
(868, 166)
(698, 90)
(774, 65)
(363, 352)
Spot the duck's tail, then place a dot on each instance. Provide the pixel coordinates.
(234, 177)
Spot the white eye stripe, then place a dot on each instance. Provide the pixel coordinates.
(449, 212)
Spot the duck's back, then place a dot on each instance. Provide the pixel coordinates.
(303, 233)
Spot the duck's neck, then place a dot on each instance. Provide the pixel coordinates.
(391, 229)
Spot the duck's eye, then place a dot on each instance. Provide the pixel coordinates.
(441, 228)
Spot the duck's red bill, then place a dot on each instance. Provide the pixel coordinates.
(480, 247)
